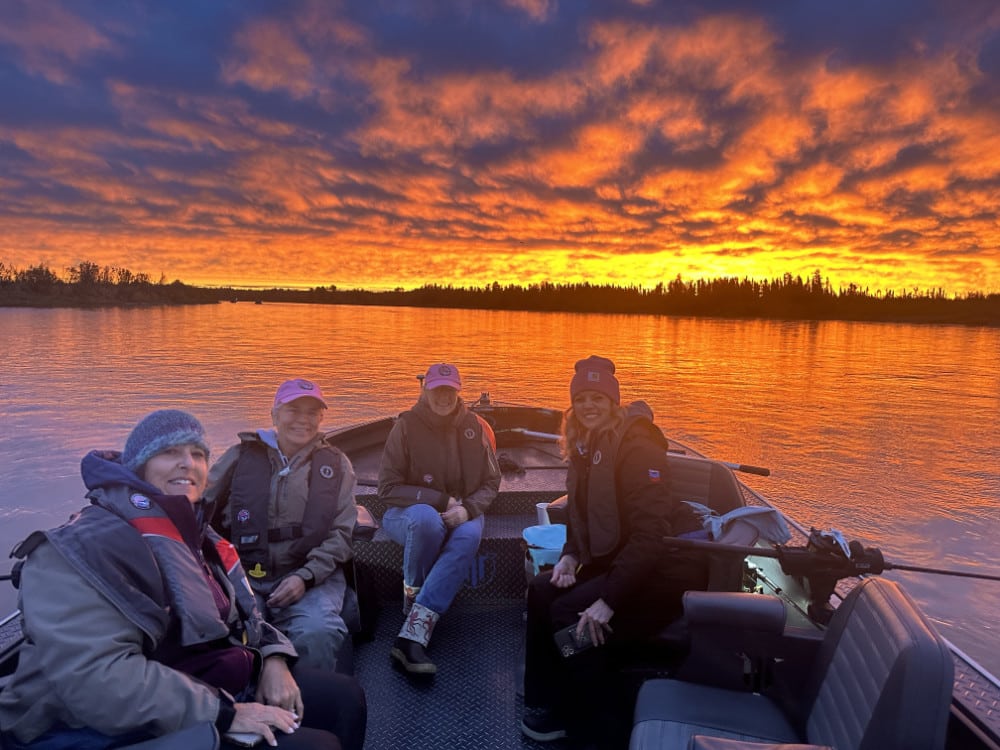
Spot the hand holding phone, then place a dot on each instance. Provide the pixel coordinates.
(569, 643)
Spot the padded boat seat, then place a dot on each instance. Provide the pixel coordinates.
(881, 680)
(704, 481)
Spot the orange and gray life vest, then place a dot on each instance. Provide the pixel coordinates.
(249, 495)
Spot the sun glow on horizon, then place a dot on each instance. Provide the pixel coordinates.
(715, 145)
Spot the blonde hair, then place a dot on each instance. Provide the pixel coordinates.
(573, 432)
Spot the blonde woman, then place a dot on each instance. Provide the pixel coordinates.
(613, 582)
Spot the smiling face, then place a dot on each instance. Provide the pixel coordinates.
(442, 400)
(179, 470)
(297, 423)
(592, 410)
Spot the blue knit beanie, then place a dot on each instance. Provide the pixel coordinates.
(161, 430)
(595, 374)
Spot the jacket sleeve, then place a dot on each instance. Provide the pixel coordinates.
(479, 501)
(644, 503)
(220, 478)
(92, 656)
(392, 487)
(336, 549)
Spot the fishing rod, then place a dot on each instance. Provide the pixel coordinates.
(823, 559)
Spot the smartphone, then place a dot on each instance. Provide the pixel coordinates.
(243, 739)
(569, 643)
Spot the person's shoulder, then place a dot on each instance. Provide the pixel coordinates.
(640, 428)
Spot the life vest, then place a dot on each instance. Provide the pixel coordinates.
(428, 465)
(130, 550)
(599, 534)
(250, 494)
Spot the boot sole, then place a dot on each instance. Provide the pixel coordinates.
(411, 667)
(550, 736)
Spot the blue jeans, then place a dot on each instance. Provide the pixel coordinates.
(315, 623)
(435, 558)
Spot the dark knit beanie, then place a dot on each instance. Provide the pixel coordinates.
(161, 430)
(595, 374)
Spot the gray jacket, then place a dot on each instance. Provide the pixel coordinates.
(86, 657)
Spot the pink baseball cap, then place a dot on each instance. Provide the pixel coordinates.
(442, 374)
(298, 388)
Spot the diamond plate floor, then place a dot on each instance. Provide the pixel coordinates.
(473, 700)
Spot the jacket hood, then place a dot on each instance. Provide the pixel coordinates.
(101, 469)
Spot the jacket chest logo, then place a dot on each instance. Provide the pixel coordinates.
(470, 433)
(243, 516)
(326, 471)
(140, 501)
(597, 457)
(428, 478)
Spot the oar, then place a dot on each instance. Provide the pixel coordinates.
(776, 553)
(747, 468)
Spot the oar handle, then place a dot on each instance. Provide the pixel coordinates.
(748, 469)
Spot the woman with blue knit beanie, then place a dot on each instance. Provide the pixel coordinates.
(613, 583)
(143, 617)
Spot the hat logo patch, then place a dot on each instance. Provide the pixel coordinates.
(469, 434)
(326, 471)
(597, 457)
(305, 385)
(444, 370)
(594, 377)
(243, 516)
(140, 501)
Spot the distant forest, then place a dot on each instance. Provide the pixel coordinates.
(790, 297)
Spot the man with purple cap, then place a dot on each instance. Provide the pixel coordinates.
(285, 498)
(438, 476)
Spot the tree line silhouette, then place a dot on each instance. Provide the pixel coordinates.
(789, 297)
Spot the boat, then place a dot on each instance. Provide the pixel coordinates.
(474, 701)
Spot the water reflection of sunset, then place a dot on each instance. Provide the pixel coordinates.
(314, 143)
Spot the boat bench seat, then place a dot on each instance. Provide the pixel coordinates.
(704, 481)
(881, 679)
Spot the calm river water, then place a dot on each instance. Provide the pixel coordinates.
(890, 433)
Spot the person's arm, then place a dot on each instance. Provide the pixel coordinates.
(643, 487)
(392, 486)
(220, 478)
(336, 549)
(92, 656)
(479, 501)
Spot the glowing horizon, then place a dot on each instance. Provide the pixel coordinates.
(317, 144)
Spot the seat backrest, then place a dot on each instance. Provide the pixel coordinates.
(883, 676)
(704, 481)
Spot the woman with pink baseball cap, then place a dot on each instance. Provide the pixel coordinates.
(439, 474)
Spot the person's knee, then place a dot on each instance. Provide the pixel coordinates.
(425, 523)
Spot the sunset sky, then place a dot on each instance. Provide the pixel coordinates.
(379, 144)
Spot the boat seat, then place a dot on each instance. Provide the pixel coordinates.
(881, 679)
(704, 481)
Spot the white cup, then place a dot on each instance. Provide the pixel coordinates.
(543, 513)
